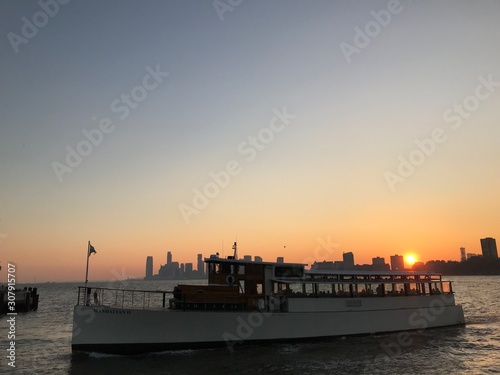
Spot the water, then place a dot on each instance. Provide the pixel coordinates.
(43, 344)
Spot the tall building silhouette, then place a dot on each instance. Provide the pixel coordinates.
(149, 267)
(378, 264)
(201, 265)
(463, 257)
(169, 257)
(348, 259)
(397, 263)
(489, 248)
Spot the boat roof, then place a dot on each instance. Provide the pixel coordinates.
(215, 259)
(370, 272)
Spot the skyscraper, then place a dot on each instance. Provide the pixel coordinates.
(348, 260)
(149, 267)
(378, 264)
(201, 266)
(397, 263)
(188, 270)
(463, 258)
(169, 257)
(489, 248)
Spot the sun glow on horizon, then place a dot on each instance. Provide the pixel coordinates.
(410, 260)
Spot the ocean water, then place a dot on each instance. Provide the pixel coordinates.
(43, 344)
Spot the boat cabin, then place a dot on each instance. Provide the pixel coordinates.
(236, 284)
(242, 284)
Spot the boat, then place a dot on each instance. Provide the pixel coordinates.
(251, 301)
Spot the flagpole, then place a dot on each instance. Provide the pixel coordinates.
(86, 274)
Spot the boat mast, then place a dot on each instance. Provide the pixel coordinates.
(235, 255)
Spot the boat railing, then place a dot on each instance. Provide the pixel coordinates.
(123, 298)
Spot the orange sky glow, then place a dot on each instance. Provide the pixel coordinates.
(301, 149)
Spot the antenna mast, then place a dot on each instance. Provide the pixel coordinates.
(235, 251)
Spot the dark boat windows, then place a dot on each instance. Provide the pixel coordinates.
(289, 271)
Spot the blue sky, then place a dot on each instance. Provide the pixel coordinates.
(321, 176)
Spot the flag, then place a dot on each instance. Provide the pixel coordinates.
(91, 250)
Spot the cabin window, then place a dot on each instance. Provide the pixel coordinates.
(279, 288)
(223, 268)
(259, 288)
(324, 290)
(353, 289)
(368, 290)
(309, 290)
(296, 289)
(437, 288)
(241, 270)
(211, 268)
(343, 290)
(242, 286)
(413, 289)
(395, 289)
(289, 271)
(422, 288)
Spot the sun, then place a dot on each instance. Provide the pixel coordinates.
(410, 259)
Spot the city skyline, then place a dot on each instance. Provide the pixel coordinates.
(397, 262)
(173, 270)
(299, 129)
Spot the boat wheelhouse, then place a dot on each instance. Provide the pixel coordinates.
(255, 301)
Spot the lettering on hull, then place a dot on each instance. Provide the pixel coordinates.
(110, 311)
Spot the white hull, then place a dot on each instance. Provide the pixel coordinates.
(116, 330)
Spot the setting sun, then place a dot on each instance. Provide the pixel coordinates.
(410, 260)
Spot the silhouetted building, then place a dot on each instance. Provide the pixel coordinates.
(149, 267)
(418, 266)
(489, 248)
(378, 264)
(463, 258)
(181, 272)
(169, 271)
(188, 271)
(348, 259)
(471, 255)
(397, 263)
(178, 271)
(201, 266)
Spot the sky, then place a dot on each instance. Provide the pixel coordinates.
(297, 129)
